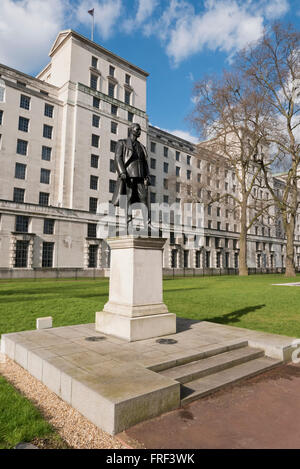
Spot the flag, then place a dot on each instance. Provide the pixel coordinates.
(91, 12)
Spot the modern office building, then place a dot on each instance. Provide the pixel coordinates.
(58, 133)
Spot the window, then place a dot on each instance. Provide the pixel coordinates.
(166, 151)
(112, 166)
(111, 89)
(166, 199)
(130, 116)
(93, 82)
(2, 91)
(218, 225)
(166, 167)
(153, 180)
(209, 210)
(113, 127)
(111, 71)
(188, 160)
(209, 224)
(112, 185)
(46, 153)
(45, 176)
(188, 174)
(96, 102)
(47, 131)
(1, 117)
(113, 144)
(44, 198)
(94, 182)
(22, 147)
(152, 197)
(49, 226)
(94, 161)
(153, 147)
(127, 97)
(114, 110)
(19, 195)
(93, 251)
(22, 223)
(23, 124)
(93, 202)
(48, 112)
(218, 212)
(92, 230)
(95, 121)
(177, 171)
(20, 171)
(198, 177)
(21, 254)
(177, 186)
(165, 183)
(47, 256)
(95, 141)
(94, 62)
(25, 102)
(177, 155)
(127, 79)
(198, 164)
(152, 163)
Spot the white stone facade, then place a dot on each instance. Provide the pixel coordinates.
(57, 137)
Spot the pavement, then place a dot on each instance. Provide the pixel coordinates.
(262, 413)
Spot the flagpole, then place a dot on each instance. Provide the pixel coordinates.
(93, 25)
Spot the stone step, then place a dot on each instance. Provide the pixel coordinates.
(208, 351)
(211, 365)
(207, 385)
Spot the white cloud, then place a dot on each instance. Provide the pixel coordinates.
(225, 25)
(106, 14)
(27, 30)
(145, 9)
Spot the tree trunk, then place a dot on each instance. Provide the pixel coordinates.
(243, 267)
(289, 262)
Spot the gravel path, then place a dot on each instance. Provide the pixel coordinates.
(73, 428)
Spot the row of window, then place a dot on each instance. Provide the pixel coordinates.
(24, 127)
(21, 254)
(25, 102)
(22, 149)
(111, 70)
(114, 109)
(19, 196)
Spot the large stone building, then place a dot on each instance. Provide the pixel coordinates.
(57, 138)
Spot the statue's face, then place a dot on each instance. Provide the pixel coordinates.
(136, 130)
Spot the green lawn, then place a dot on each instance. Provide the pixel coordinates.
(250, 302)
(21, 421)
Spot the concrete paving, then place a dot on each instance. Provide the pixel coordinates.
(117, 384)
(261, 412)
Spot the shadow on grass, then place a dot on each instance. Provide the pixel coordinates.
(234, 316)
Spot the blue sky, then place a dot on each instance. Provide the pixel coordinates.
(176, 41)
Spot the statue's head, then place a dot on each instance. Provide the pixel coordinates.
(135, 129)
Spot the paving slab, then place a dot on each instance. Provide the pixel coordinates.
(117, 384)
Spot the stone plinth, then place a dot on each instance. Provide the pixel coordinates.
(135, 310)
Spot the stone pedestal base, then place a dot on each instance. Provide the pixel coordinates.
(135, 310)
(138, 328)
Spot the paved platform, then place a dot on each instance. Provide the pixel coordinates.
(117, 384)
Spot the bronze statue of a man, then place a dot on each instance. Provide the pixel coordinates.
(132, 169)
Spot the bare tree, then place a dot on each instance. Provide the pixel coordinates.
(273, 67)
(234, 119)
